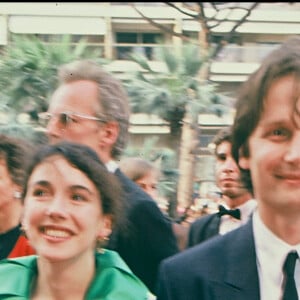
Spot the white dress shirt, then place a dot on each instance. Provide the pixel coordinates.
(271, 253)
(112, 166)
(229, 223)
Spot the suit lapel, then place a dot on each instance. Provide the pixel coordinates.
(213, 226)
(241, 276)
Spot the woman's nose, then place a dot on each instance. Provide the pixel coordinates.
(57, 207)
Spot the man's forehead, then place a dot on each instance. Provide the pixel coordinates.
(73, 96)
(223, 147)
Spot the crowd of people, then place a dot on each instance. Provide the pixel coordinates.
(78, 223)
(249, 262)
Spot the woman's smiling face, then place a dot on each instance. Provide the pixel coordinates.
(62, 211)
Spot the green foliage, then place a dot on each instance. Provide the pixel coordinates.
(28, 70)
(26, 132)
(168, 94)
(191, 60)
(146, 151)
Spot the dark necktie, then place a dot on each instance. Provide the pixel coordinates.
(290, 290)
(231, 212)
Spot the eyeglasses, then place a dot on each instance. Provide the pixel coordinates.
(66, 118)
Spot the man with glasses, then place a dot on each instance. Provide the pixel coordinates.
(91, 107)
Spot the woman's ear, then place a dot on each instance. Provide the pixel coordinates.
(105, 228)
(17, 193)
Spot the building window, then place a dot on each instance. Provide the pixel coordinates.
(137, 42)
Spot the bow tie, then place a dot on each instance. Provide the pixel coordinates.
(236, 213)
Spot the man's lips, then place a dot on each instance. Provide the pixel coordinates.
(288, 177)
(228, 182)
(228, 179)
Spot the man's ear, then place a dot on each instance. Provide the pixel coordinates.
(109, 133)
(244, 157)
(244, 162)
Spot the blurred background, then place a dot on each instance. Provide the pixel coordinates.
(181, 62)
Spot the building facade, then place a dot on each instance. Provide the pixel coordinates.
(115, 29)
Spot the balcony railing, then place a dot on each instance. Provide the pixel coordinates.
(244, 54)
(230, 53)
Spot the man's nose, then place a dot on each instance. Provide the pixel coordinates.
(293, 151)
(54, 127)
(230, 165)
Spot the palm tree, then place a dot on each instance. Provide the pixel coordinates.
(28, 71)
(166, 94)
(175, 93)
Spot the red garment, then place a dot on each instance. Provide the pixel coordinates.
(21, 248)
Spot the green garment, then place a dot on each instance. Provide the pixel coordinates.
(113, 279)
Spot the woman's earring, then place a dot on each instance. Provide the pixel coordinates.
(101, 242)
(17, 195)
(23, 228)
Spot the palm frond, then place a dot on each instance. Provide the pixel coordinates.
(141, 60)
(170, 59)
(192, 62)
(28, 69)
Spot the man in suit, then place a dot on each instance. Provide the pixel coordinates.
(91, 107)
(238, 203)
(260, 260)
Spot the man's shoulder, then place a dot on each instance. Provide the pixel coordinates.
(212, 251)
(201, 221)
(203, 248)
(195, 259)
(204, 218)
(200, 229)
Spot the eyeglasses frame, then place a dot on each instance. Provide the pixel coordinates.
(68, 116)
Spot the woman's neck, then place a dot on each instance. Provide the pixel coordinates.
(67, 280)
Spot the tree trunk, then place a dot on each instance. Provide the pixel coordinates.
(189, 138)
(187, 161)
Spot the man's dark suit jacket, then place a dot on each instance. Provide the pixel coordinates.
(222, 268)
(204, 228)
(148, 237)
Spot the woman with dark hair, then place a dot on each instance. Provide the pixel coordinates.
(13, 158)
(71, 203)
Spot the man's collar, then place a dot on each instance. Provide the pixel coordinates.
(112, 166)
